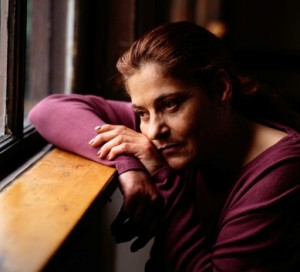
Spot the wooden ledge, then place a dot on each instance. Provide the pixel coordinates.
(42, 206)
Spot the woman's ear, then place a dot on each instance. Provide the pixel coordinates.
(223, 87)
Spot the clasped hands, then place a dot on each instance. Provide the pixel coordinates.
(142, 207)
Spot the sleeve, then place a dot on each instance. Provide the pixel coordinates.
(68, 122)
(258, 229)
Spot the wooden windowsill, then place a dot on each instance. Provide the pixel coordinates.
(39, 209)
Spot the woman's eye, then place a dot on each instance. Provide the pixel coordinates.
(141, 114)
(170, 105)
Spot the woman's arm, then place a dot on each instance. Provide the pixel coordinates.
(69, 121)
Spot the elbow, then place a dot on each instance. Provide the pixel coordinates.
(33, 114)
(39, 113)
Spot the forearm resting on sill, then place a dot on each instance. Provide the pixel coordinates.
(41, 207)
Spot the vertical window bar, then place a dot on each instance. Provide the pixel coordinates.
(70, 49)
(3, 65)
(16, 67)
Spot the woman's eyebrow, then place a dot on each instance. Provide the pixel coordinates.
(157, 100)
(162, 97)
(136, 106)
(176, 95)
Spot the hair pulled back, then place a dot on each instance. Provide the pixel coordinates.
(182, 50)
(191, 54)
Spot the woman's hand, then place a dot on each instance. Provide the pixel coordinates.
(119, 140)
(140, 214)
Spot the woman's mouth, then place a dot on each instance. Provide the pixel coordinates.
(169, 149)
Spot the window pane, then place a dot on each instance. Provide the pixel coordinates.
(50, 49)
(37, 53)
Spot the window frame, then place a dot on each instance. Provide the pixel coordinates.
(93, 63)
(19, 144)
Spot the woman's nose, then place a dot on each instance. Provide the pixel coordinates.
(157, 128)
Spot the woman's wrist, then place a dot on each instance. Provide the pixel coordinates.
(129, 163)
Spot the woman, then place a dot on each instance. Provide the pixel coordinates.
(229, 179)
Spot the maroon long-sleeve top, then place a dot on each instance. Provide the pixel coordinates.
(213, 220)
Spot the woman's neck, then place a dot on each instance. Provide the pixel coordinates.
(242, 142)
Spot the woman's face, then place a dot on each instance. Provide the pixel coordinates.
(182, 122)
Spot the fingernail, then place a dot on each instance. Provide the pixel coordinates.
(99, 153)
(97, 127)
(91, 141)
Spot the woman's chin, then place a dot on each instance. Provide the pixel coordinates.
(179, 164)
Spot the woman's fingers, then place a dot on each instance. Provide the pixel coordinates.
(125, 228)
(121, 144)
(115, 140)
(144, 238)
(141, 210)
(122, 229)
(107, 133)
(111, 136)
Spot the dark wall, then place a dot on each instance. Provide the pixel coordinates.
(264, 37)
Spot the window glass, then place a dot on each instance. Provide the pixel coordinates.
(37, 53)
(27, 103)
(50, 50)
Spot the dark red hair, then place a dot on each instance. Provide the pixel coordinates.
(183, 51)
(191, 54)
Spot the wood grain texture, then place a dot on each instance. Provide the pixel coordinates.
(42, 206)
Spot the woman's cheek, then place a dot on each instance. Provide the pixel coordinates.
(144, 128)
